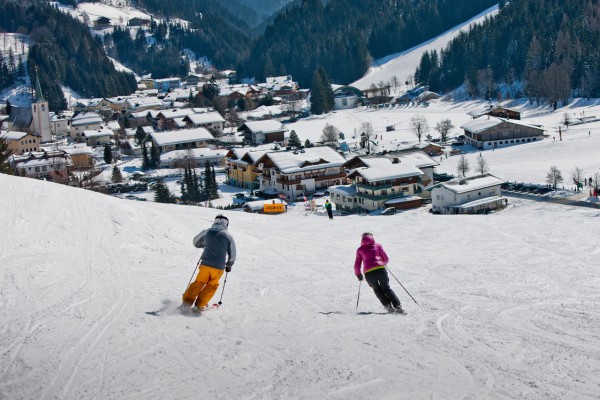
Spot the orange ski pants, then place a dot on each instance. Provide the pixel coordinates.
(204, 287)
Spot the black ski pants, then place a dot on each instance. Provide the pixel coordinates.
(380, 283)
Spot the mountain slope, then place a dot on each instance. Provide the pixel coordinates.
(511, 316)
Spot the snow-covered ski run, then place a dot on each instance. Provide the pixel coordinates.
(508, 303)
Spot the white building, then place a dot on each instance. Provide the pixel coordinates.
(41, 120)
(87, 121)
(380, 182)
(197, 158)
(489, 132)
(98, 137)
(59, 124)
(181, 139)
(473, 195)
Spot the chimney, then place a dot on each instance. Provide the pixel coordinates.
(395, 160)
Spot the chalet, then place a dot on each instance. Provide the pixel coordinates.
(378, 183)
(166, 119)
(197, 158)
(52, 166)
(490, 132)
(293, 173)
(209, 120)
(473, 195)
(138, 22)
(261, 132)
(21, 142)
(498, 111)
(101, 23)
(80, 154)
(242, 168)
(87, 121)
(97, 137)
(140, 118)
(181, 139)
(193, 79)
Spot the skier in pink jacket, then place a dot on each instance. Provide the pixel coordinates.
(374, 261)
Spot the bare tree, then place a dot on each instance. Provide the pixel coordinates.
(395, 82)
(444, 127)
(577, 175)
(554, 177)
(482, 165)
(419, 126)
(367, 132)
(330, 135)
(463, 166)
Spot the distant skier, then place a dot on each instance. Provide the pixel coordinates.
(218, 255)
(328, 208)
(374, 260)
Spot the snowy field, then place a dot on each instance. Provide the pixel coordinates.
(508, 303)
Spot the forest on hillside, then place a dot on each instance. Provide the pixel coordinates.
(63, 51)
(344, 35)
(551, 46)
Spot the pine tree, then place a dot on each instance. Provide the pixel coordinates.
(107, 153)
(145, 159)
(214, 190)
(8, 108)
(154, 157)
(5, 153)
(293, 140)
(116, 177)
(162, 193)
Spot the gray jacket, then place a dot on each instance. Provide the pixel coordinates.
(219, 246)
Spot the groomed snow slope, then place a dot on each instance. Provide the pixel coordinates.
(508, 304)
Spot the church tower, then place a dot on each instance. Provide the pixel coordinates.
(40, 113)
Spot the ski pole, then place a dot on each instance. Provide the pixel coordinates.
(401, 285)
(192, 277)
(223, 290)
(358, 298)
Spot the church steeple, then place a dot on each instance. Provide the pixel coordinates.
(38, 88)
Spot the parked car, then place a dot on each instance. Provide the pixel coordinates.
(389, 211)
(243, 198)
(318, 195)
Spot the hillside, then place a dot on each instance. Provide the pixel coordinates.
(511, 316)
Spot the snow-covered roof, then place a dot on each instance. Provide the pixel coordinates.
(479, 202)
(205, 118)
(79, 148)
(418, 159)
(98, 133)
(86, 118)
(311, 158)
(471, 184)
(481, 124)
(181, 136)
(379, 169)
(194, 154)
(266, 126)
(346, 190)
(177, 113)
(144, 102)
(12, 135)
(113, 125)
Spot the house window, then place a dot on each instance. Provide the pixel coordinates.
(437, 197)
(44, 169)
(37, 169)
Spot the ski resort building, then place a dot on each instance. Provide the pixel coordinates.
(299, 172)
(242, 167)
(381, 182)
(488, 132)
(182, 139)
(197, 158)
(473, 195)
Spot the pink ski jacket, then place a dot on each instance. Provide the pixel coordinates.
(370, 254)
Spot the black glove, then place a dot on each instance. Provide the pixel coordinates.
(360, 277)
(228, 266)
